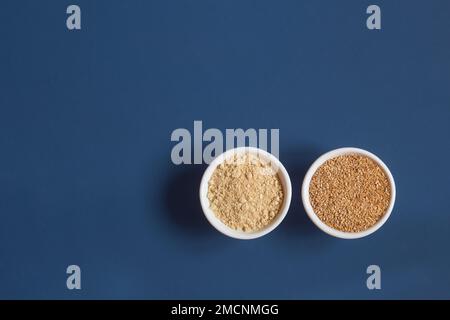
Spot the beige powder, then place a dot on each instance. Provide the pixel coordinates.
(350, 193)
(245, 193)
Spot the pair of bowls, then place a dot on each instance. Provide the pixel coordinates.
(287, 190)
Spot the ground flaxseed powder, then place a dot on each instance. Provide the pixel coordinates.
(245, 193)
(350, 193)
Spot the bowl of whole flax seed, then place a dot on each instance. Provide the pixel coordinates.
(348, 193)
(245, 193)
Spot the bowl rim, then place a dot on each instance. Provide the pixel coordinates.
(216, 222)
(307, 204)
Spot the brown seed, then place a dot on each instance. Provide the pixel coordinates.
(350, 193)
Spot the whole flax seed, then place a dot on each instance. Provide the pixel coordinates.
(350, 193)
(245, 193)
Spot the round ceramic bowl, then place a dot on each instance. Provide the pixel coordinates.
(216, 222)
(308, 207)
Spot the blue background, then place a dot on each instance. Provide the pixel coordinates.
(86, 116)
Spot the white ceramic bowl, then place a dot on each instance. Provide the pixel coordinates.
(216, 222)
(307, 204)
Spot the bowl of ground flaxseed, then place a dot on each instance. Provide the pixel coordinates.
(348, 193)
(245, 193)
